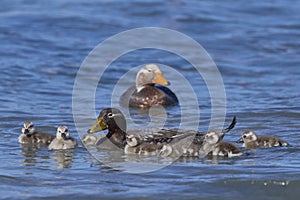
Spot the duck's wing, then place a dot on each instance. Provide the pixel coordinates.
(172, 98)
(168, 135)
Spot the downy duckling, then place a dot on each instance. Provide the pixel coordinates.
(213, 144)
(62, 140)
(89, 139)
(137, 145)
(251, 140)
(30, 136)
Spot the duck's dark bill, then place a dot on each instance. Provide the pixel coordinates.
(240, 140)
(98, 126)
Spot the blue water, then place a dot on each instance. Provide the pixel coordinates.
(254, 44)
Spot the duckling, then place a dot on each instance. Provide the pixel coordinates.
(137, 145)
(146, 94)
(29, 136)
(164, 142)
(213, 144)
(89, 139)
(63, 139)
(251, 140)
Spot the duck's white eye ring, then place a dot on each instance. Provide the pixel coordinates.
(110, 115)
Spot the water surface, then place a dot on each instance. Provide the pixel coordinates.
(254, 44)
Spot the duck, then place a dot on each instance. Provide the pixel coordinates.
(150, 90)
(30, 136)
(62, 140)
(251, 140)
(214, 145)
(162, 142)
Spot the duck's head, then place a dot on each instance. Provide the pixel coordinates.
(133, 140)
(150, 74)
(248, 136)
(220, 133)
(62, 132)
(28, 128)
(212, 137)
(111, 119)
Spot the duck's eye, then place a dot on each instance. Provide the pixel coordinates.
(30, 126)
(110, 115)
(66, 130)
(149, 70)
(244, 136)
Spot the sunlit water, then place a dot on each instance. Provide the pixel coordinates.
(255, 46)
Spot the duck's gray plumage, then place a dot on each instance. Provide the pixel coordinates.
(164, 142)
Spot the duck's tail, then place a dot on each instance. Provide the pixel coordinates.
(231, 126)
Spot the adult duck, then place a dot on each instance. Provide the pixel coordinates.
(164, 142)
(149, 90)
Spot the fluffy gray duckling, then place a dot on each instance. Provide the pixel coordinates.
(251, 140)
(62, 140)
(30, 136)
(213, 144)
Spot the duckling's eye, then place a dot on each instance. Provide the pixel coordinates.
(244, 136)
(66, 130)
(30, 126)
(110, 115)
(149, 70)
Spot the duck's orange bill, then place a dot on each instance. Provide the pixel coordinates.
(160, 79)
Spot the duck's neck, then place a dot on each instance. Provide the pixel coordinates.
(140, 87)
(206, 148)
(117, 137)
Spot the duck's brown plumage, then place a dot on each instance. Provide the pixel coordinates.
(150, 90)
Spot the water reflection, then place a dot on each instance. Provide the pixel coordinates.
(29, 151)
(214, 160)
(63, 158)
